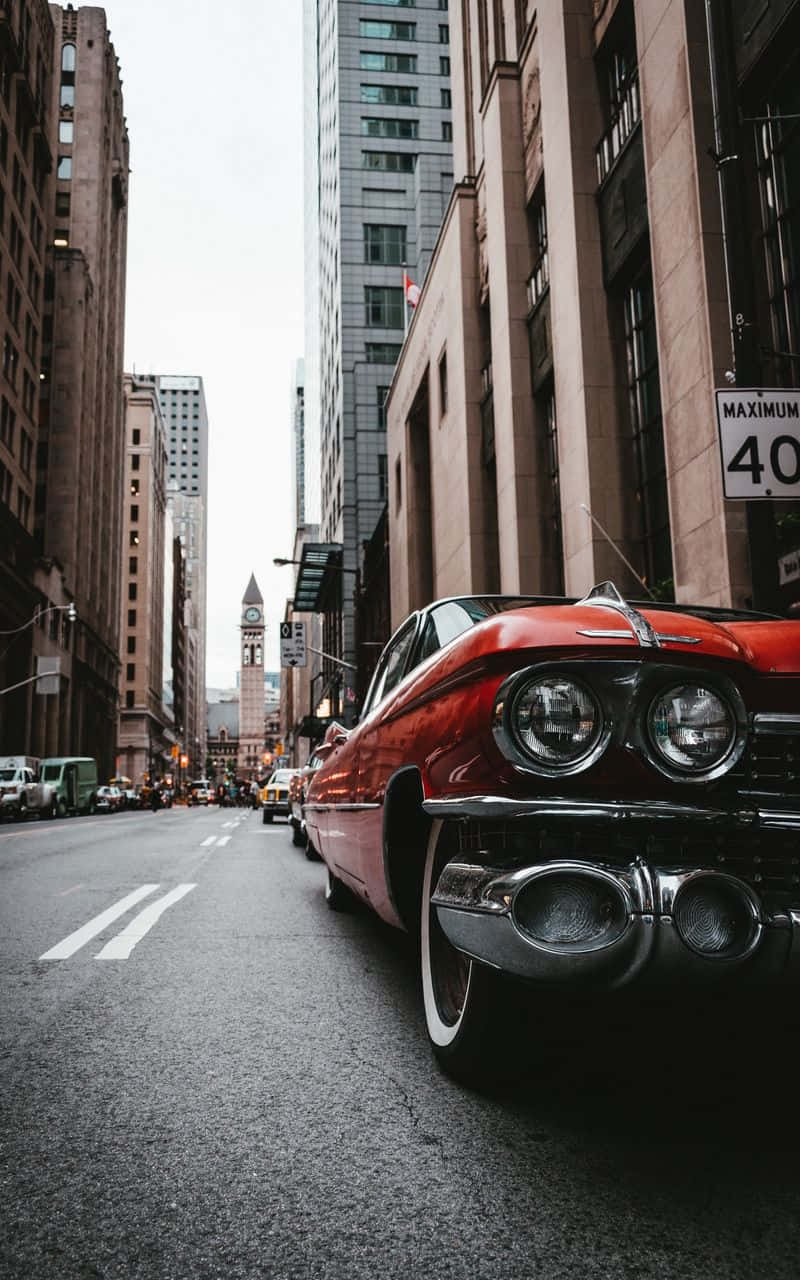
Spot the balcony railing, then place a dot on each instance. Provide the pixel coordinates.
(622, 126)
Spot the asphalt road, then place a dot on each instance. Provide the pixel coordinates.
(228, 1080)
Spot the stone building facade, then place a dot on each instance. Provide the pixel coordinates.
(146, 729)
(551, 422)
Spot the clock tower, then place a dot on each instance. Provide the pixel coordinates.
(251, 682)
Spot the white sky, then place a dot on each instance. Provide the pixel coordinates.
(213, 100)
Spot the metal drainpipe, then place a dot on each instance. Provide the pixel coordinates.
(728, 145)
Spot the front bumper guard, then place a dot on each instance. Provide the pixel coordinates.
(477, 906)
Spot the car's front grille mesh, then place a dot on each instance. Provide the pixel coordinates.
(769, 771)
(769, 861)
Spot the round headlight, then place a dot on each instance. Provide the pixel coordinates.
(557, 720)
(692, 728)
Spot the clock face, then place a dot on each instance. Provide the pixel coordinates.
(252, 614)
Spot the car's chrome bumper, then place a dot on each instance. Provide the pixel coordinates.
(583, 922)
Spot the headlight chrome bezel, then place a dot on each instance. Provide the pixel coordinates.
(731, 699)
(624, 694)
(510, 741)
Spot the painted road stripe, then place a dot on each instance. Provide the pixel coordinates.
(208, 840)
(76, 940)
(120, 948)
(222, 840)
(229, 824)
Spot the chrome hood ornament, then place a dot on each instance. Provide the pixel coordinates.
(608, 596)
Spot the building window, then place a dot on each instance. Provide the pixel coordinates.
(387, 127)
(131, 644)
(778, 159)
(135, 512)
(444, 33)
(387, 30)
(130, 671)
(66, 130)
(136, 436)
(25, 452)
(393, 95)
(68, 59)
(403, 62)
(622, 107)
(63, 204)
(388, 161)
(5, 485)
(539, 279)
(8, 420)
(383, 307)
(383, 476)
(131, 590)
(398, 485)
(135, 460)
(10, 360)
(447, 131)
(133, 564)
(644, 398)
(134, 487)
(129, 698)
(134, 538)
(131, 617)
(64, 172)
(384, 244)
(380, 394)
(383, 352)
(446, 98)
(444, 66)
(443, 385)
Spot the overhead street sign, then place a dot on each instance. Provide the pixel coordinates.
(293, 644)
(759, 439)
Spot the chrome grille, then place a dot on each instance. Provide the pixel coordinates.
(769, 771)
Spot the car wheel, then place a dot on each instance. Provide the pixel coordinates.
(52, 810)
(472, 1015)
(337, 894)
(298, 839)
(61, 808)
(266, 817)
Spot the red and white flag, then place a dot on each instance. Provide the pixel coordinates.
(411, 289)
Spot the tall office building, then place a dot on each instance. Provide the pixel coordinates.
(79, 499)
(382, 174)
(183, 406)
(146, 724)
(299, 443)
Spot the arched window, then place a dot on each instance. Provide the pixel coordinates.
(246, 656)
(223, 734)
(258, 654)
(68, 57)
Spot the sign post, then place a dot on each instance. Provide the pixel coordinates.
(293, 644)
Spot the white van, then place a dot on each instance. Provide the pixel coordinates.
(74, 780)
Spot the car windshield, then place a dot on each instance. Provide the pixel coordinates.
(7, 775)
(282, 776)
(51, 772)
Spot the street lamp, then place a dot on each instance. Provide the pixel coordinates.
(332, 568)
(37, 614)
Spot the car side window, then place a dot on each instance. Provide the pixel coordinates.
(392, 663)
(443, 624)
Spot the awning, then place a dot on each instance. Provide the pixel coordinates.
(313, 576)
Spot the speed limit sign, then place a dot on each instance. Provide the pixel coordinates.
(759, 438)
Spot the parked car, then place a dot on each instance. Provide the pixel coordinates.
(275, 796)
(22, 792)
(580, 796)
(109, 800)
(297, 799)
(200, 791)
(74, 781)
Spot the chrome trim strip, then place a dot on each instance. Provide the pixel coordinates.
(598, 633)
(610, 810)
(776, 722)
(607, 596)
(339, 808)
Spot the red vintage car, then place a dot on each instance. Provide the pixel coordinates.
(562, 796)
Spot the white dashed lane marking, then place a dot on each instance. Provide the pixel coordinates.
(222, 840)
(208, 840)
(63, 950)
(120, 948)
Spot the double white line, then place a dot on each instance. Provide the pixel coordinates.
(120, 948)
